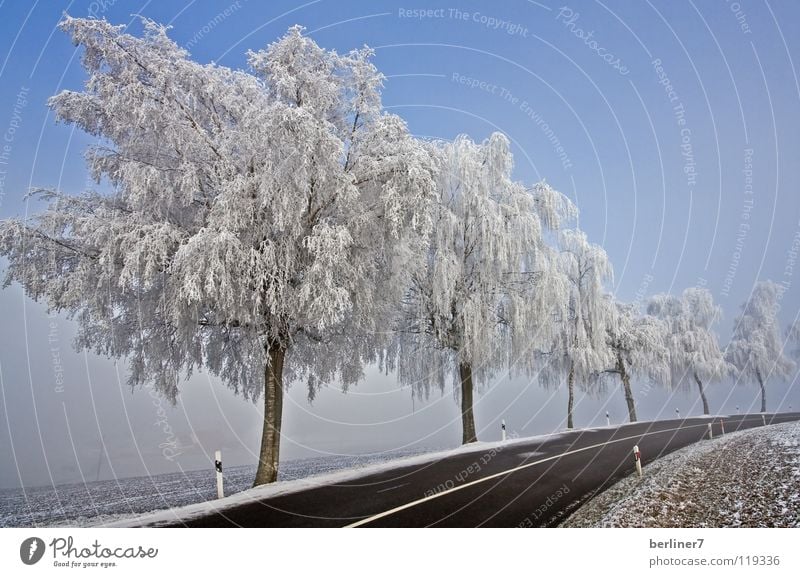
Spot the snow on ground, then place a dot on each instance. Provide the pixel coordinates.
(745, 479)
(182, 514)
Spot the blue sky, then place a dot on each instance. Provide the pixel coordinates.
(658, 113)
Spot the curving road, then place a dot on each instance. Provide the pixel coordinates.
(533, 482)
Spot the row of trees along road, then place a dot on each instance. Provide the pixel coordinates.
(270, 225)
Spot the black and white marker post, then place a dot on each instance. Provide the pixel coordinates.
(218, 467)
(608, 420)
(677, 412)
(710, 432)
(638, 456)
(503, 428)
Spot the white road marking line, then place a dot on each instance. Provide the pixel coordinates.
(392, 488)
(506, 472)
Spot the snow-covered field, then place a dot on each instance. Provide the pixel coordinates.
(182, 496)
(189, 512)
(745, 479)
(102, 501)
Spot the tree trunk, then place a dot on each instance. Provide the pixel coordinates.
(571, 401)
(702, 395)
(626, 385)
(763, 392)
(467, 417)
(273, 410)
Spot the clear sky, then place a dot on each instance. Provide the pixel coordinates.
(675, 127)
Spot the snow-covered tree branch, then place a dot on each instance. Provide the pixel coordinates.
(694, 352)
(582, 316)
(756, 348)
(258, 225)
(483, 299)
(638, 344)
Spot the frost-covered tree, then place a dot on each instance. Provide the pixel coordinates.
(638, 344)
(581, 349)
(756, 349)
(256, 225)
(694, 351)
(483, 297)
(793, 335)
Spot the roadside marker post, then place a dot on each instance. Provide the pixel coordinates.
(763, 420)
(608, 420)
(722, 425)
(677, 412)
(503, 428)
(218, 467)
(737, 409)
(638, 456)
(710, 432)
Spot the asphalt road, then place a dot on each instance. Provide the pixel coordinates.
(523, 483)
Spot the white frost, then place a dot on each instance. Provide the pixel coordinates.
(747, 478)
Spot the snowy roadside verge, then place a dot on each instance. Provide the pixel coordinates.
(189, 512)
(746, 479)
